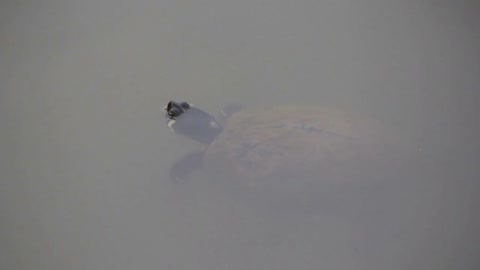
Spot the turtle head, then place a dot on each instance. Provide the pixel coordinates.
(175, 109)
(185, 119)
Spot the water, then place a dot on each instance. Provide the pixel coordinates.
(85, 151)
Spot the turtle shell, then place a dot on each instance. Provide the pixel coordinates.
(288, 148)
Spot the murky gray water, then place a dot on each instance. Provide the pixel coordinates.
(85, 152)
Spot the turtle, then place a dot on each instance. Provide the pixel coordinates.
(288, 149)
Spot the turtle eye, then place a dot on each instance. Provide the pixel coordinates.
(169, 106)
